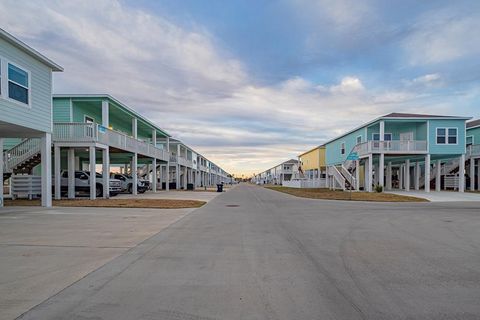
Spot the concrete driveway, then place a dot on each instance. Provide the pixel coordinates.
(441, 196)
(254, 253)
(43, 251)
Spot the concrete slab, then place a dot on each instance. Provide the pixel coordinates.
(441, 196)
(43, 251)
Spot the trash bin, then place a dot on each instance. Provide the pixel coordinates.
(190, 186)
(219, 187)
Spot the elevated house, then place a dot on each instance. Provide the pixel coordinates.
(402, 151)
(284, 171)
(26, 116)
(473, 154)
(91, 129)
(312, 168)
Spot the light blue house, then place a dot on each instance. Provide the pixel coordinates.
(473, 153)
(400, 151)
(25, 112)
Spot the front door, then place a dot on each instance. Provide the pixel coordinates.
(405, 140)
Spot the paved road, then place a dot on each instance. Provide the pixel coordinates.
(279, 257)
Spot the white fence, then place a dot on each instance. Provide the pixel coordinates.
(304, 183)
(26, 186)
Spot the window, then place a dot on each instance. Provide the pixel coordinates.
(18, 84)
(452, 136)
(469, 141)
(447, 135)
(343, 148)
(89, 119)
(386, 137)
(359, 139)
(441, 135)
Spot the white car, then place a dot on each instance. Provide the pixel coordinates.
(82, 184)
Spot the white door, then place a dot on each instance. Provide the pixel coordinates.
(405, 139)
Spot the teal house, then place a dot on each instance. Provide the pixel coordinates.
(25, 117)
(473, 153)
(400, 151)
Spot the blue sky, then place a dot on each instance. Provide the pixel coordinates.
(252, 83)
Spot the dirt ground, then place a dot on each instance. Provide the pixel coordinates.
(114, 203)
(328, 194)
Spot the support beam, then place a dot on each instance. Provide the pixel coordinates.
(93, 175)
(472, 174)
(438, 176)
(154, 175)
(46, 168)
(105, 114)
(357, 175)
(370, 173)
(57, 173)
(389, 176)
(106, 172)
(167, 176)
(417, 175)
(177, 176)
(461, 174)
(381, 170)
(134, 174)
(427, 173)
(134, 128)
(407, 175)
(401, 171)
(71, 173)
(478, 174)
(1, 171)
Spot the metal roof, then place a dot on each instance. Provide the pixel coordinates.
(26, 48)
(473, 124)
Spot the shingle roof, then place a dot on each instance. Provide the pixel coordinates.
(413, 115)
(474, 123)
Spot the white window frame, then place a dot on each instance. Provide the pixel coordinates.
(89, 117)
(343, 148)
(466, 138)
(358, 142)
(5, 95)
(446, 136)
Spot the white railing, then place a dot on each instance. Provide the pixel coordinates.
(338, 178)
(394, 146)
(20, 153)
(473, 150)
(91, 132)
(350, 178)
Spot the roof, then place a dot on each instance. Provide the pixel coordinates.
(416, 115)
(473, 124)
(399, 116)
(310, 150)
(109, 97)
(29, 50)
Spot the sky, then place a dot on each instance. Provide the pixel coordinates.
(252, 83)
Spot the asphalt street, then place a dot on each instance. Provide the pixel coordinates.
(253, 253)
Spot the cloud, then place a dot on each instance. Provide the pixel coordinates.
(443, 35)
(184, 81)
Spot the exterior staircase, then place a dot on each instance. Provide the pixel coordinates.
(450, 167)
(22, 158)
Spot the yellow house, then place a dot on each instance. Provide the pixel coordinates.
(313, 163)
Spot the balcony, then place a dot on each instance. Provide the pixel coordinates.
(392, 147)
(473, 150)
(181, 161)
(92, 132)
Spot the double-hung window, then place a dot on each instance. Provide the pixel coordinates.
(343, 148)
(447, 136)
(386, 137)
(18, 84)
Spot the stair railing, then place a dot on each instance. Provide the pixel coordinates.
(21, 153)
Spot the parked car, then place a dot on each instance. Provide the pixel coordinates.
(126, 182)
(82, 184)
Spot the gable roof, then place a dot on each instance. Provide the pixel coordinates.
(29, 50)
(473, 124)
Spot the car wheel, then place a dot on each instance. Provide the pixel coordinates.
(99, 191)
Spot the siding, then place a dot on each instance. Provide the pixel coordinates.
(91, 109)
(333, 149)
(39, 115)
(475, 132)
(61, 110)
(459, 148)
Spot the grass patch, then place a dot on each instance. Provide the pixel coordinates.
(327, 194)
(114, 203)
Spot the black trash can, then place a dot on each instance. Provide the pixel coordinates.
(219, 187)
(189, 186)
